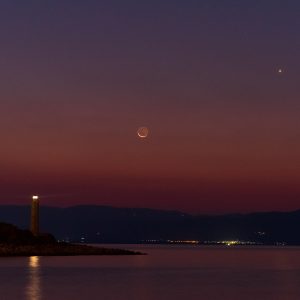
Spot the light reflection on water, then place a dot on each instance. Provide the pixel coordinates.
(33, 289)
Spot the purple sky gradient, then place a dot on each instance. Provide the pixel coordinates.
(78, 79)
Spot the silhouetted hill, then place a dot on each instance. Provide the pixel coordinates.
(108, 224)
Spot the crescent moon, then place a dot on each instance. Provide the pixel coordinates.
(143, 132)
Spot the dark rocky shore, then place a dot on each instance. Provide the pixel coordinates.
(17, 242)
(58, 249)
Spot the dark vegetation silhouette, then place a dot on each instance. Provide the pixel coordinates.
(17, 242)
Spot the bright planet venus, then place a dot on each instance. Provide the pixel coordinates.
(143, 132)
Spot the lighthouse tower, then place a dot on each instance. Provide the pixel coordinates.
(35, 215)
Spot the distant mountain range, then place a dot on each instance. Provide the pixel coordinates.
(104, 224)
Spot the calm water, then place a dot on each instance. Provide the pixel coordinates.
(168, 272)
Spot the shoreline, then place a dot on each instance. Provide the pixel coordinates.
(60, 249)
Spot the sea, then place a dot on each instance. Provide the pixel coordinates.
(166, 272)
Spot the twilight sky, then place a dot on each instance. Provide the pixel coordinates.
(77, 79)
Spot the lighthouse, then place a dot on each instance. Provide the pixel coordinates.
(35, 215)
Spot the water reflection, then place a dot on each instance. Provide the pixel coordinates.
(33, 290)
